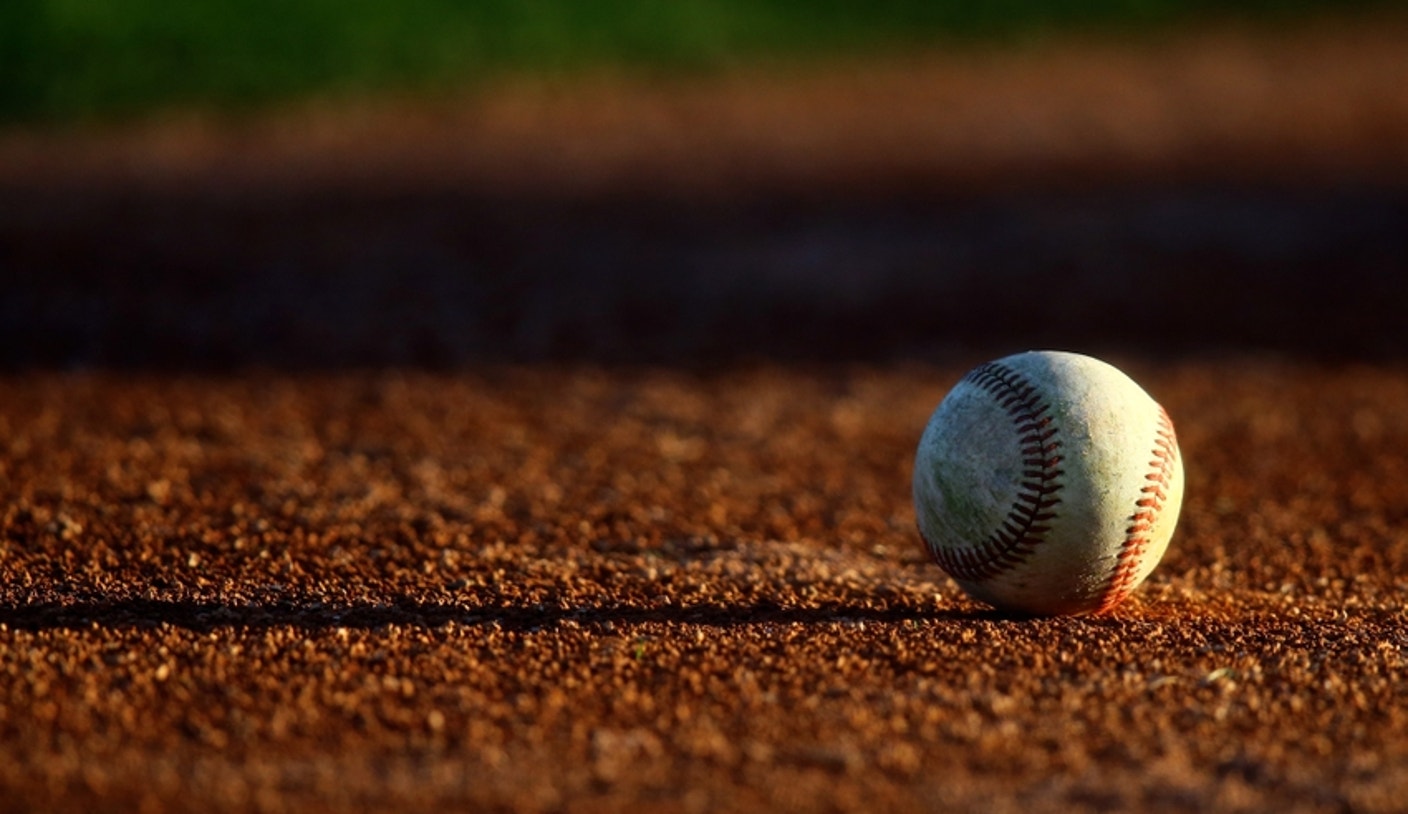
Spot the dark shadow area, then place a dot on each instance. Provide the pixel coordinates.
(205, 616)
(208, 280)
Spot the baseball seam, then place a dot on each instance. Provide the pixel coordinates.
(1125, 575)
(1033, 509)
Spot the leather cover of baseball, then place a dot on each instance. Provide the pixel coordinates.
(1048, 483)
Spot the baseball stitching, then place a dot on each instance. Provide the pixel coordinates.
(1146, 511)
(1032, 511)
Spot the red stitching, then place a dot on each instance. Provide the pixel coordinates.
(1147, 508)
(1030, 517)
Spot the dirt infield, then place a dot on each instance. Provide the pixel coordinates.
(552, 453)
(584, 590)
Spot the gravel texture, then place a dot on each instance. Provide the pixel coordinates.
(553, 453)
(582, 589)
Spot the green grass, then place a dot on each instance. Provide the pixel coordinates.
(67, 60)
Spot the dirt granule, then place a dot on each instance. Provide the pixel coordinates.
(587, 590)
(551, 452)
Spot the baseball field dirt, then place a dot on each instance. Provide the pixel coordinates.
(335, 484)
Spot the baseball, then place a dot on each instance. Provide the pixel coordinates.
(1048, 483)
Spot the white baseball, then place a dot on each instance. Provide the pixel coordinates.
(1048, 483)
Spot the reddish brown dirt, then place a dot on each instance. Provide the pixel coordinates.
(289, 522)
(579, 590)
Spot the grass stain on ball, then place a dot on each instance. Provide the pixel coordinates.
(1048, 483)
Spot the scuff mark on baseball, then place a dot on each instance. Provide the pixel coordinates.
(1048, 483)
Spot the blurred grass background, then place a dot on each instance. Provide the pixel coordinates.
(80, 60)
